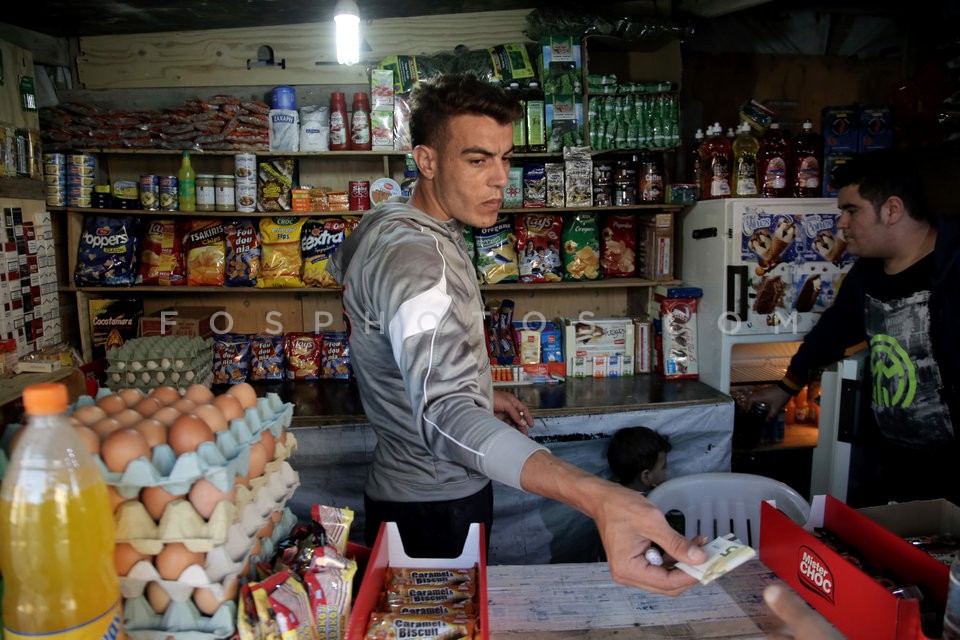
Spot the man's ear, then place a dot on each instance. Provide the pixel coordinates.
(645, 477)
(896, 210)
(426, 159)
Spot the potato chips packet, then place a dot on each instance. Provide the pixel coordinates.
(581, 247)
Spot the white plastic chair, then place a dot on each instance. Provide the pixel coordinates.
(715, 504)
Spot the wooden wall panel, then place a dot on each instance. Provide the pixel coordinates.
(218, 57)
(16, 62)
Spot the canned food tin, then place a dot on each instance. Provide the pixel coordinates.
(245, 166)
(225, 193)
(206, 194)
(246, 197)
(169, 196)
(150, 193)
(359, 195)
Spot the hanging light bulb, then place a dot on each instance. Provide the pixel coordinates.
(347, 19)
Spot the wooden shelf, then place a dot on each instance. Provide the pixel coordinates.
(665, 208)
(11, 388)
(229, 152)
(612, 283)
(162, 213)
(193, 290)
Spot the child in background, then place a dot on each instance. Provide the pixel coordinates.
(638, 458)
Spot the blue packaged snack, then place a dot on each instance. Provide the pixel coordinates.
(231, 358)
(107, 253)
(335, 359)
(266, 358)
(243, 253)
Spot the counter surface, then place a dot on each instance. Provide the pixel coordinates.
(581, 601)
(327, 402)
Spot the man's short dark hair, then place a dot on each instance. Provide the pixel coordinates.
(884, 173)
(434, 102)
(633, 450)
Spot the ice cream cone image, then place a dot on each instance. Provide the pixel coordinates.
(783, 236)
(761, 242)
(830, 246)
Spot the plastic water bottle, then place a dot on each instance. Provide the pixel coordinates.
(951, 617)
(56, 531)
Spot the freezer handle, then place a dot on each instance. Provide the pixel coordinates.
(733, 272)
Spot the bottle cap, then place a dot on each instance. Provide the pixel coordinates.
(45, 398)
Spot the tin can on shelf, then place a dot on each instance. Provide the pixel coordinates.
(247, 196)
(225, 193)
(359, 195)
(206, 193)
(245, 167)
(169, 195)
(150, 193)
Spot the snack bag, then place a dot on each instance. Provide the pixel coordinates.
(231, 358)
(581, 247)
(335, 356)
(266, 358)
(206, 253)
(243, 253)
(304, 352)
(618, 246)
(161, 261)
(107, 253)
(280, 262)
(538, 243)
(319, 239)
(497, 252)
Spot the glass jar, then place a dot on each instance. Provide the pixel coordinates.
(206, 195)
(225, 193)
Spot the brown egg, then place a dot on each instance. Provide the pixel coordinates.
(157, 597)
(166, 394)
(125, 556)
(266, 530)
(166, 416)
(127, 418)
(153, 431)
(105, 427)
(258, 460)
(269, 443)
(208, 603)
(121, 447)
(90, 414)
(204, 496)
(90, 438)
(174, 558)
(130, 396)
(112, 404)
(198, 393)
(155, 500)
(187, 433)
(229, 406)
(212, 416)
(147, 407)
(184, 405)
(115, 498)
(245, 393)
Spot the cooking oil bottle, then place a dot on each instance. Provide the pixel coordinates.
(745, 147)
(56, 531)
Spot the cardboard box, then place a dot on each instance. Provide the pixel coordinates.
(930, 520)
(388, 551)
(857, 604)
(113, 322)
(841, 129)
(180, 321)
(876, 127)
(588, 345)
(656, 252)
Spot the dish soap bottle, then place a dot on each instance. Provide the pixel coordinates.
(807, 162)
(56, 530)
(187, 184)
(745, 147)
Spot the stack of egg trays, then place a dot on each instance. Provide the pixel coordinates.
(145, 363)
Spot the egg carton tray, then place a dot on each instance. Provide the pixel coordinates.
(145, 380)
(229, 524)
(219, 462)
(160, 363)
(222, 567)
(174, 351)
(180, 621)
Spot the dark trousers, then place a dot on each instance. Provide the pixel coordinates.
(431, 529)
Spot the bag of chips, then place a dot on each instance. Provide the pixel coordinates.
(319, 239)
(304, 352)
(618, 246)
(206, 253)
(497, 252)
(280, 250)
(538, 243)
(161, 261)
(107, 254)
(581, 247)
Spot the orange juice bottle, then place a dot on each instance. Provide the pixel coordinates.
(56, 531)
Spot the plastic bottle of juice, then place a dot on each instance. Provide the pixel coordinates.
(745, 147)
(693, 160)
(187, 184)
(715, 160)
(773, 161)
(807, 163)
(56, 531)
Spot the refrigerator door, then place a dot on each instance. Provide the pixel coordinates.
(787, 259)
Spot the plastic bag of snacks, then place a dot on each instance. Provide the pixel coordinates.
(161, 261)
(243, 253)
(206, 253)
(107, 253)
(319, 239)
(280, 261)
(496, 248)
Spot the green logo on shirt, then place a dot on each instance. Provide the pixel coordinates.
(894, 377)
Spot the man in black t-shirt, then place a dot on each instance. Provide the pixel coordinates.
(901, 298)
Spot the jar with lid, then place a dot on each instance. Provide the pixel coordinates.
(624, 183)
(651, 177)
(206, 195)
(225, 192)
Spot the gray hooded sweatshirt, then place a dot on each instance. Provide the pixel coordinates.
(417, 348)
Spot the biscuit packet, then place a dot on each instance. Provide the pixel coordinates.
(335, 356)
(206, 253)
(231, 358)
(266, 358)
(581, 247)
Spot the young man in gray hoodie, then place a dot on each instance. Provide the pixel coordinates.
(417, 346)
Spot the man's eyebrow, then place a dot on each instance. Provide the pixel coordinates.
(478, 150)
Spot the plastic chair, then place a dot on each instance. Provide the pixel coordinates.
(715, 504)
